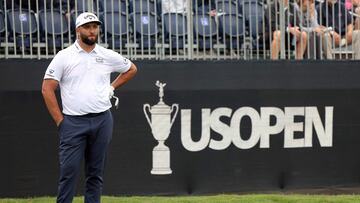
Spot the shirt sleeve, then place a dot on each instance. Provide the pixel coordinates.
(314, 20)
(55, 69)
(348, 16)
(119, 63)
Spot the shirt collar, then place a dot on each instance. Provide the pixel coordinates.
(79, 49)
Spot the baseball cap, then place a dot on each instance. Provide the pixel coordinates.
(86, 17)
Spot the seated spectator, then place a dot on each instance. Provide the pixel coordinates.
(354, 6)
(272, 15)
(307, 13)
(174, 6)
(334, 14)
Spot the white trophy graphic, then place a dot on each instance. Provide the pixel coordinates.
(160, 126)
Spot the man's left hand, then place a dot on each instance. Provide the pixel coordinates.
(111, 91)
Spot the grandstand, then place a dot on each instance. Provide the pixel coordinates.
(145, 29)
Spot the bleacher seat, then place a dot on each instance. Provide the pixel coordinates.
(53, 27)
(145, 28)
(232, 30)
(143, 6)
(115, 26)
(175, 29)
(253, 11)
(114, 5)
(22, 25)
(205, 30)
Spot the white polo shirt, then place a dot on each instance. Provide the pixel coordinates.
(84, 78)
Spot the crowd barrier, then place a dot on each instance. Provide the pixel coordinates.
(230, 127)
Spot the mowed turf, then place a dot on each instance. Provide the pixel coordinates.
(209, 199)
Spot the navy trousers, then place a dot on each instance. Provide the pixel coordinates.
(83, 138)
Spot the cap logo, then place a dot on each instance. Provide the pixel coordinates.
(90, 17)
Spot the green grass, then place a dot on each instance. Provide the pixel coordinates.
(210, 199)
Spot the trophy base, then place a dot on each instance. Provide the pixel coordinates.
(160, 171)
(161, 161)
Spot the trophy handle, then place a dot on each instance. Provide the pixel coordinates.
(147, 106)
(176, 106)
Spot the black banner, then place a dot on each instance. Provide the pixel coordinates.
(227, 127)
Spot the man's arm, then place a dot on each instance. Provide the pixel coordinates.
(48, 92)
(124, 77)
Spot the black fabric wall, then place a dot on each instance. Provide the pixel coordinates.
(28, 136)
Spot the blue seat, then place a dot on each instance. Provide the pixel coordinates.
(53, 27)
(115, 28)
(205, 30)
(22, 24)
(175, 29)
(145, 28)
(253, 12)
(114, 5)
(143, 6)
(232, 30)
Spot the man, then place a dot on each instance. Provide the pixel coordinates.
(299, 37)
(85, 124)
(334, 14)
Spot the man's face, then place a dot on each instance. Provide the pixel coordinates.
(88, 33)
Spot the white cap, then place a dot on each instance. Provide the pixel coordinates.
(86, 17)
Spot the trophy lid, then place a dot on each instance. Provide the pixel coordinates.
(160, 108)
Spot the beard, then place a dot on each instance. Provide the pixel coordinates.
(88, 41)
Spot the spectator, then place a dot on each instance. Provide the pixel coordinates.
(174, 6)
(335, 15)
(306, 11)
(354, 6)
(272, 15)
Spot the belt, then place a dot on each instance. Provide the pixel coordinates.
(89, 115)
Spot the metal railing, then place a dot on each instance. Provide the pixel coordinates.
(187, 29)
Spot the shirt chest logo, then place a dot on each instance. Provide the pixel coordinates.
(99, 60)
